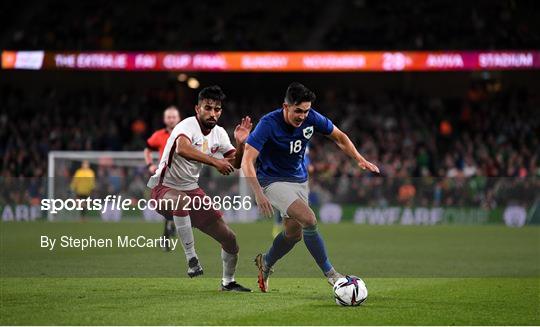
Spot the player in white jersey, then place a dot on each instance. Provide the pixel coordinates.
(193, 142)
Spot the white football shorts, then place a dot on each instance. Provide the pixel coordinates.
(282, 194)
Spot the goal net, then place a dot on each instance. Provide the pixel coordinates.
(123, 175)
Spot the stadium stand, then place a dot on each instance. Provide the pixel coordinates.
(310, 25)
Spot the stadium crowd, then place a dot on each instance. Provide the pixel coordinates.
(311, 25)
(424, 145)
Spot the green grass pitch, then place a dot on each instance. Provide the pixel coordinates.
(439, 275)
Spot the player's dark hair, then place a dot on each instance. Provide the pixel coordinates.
(213, 92)
(298, 93)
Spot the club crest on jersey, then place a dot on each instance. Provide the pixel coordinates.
(214, 149)
(308, 132)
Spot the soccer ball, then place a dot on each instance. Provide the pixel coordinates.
(350, 291)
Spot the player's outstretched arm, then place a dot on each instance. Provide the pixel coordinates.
(248, 168)
(241, 133)
(345, 144)
(184, 148)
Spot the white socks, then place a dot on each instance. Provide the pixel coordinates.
(185, 235)
(229, 266)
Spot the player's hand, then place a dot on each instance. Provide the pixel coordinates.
(224, 166)
(265, 207)
(241, 132)
(364, 164)
(152, 169)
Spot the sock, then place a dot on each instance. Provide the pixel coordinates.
(185, 235)
(280, 247)
(171, 229)
(332, 273)
(315, 245)
(166, 229)
(229, 266)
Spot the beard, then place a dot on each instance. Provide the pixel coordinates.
(209, 124)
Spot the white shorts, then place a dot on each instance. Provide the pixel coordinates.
(282, 194)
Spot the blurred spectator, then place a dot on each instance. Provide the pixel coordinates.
(498, 138)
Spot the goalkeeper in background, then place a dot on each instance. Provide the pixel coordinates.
(157, 142)
(83, 183)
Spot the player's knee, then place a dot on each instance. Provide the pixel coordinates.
(181, 203)
(310, 221)
(304, 216)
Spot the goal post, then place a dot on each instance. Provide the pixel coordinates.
(124, 173)
(110, 168)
